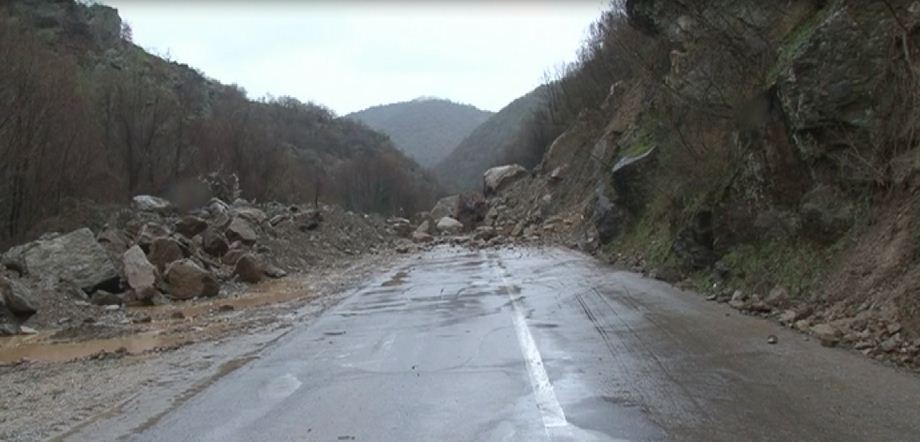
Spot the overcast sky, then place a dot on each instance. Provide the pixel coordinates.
(353, 55)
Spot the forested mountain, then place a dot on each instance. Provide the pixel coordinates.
(86, 114)
(505, 137)
(425, 129)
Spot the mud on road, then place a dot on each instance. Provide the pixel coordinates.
(57, 384)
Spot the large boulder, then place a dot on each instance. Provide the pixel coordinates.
(249, 269)
(401, 226)
(242, 231)
(219, 212)
(148, 233)
(497, 178)
(448, 225)
(151, 203)
(75, 256)
(447, 206)
(17, 298)
(114, 241)
(426, 227)
(164, 251)
(421, 237)
(214, 243)
(139, 272)
(15, 259)
(186, 280)
(189, 226)
(471, 210)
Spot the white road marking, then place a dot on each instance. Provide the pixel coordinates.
(554, 421)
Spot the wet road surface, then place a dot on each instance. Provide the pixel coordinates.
(530, 345)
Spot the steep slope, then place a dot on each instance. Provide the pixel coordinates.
(763, 153)
(98, 118)
(425, 129)
(497, 140)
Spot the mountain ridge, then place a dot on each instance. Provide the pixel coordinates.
(426, 129)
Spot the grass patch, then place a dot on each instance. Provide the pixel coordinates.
(792, 265)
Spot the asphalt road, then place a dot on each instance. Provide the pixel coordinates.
(530, 345)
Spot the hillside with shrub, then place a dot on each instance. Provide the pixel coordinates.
(513, 135)
(763, 152)
(425, 129)
(86, 115)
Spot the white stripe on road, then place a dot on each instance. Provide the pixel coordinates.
(554, 421)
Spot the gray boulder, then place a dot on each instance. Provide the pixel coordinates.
(497, 178)
(186, 280)
(248, 269)
(214, 243)
(164, 251)
(17, 298)
(447, 206)
(401, 226)
(189, 226)
(421, 237)
(219, 212)
(827, 334)
(8, 328)
(75, 256)
(151, 203)
(449, 225)
(242, 231)
(425, 227)
(139, 272)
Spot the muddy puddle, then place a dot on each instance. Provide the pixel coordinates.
(37, 348)
(164, 329)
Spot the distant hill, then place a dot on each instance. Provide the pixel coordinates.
(425, 129)
(493, 143)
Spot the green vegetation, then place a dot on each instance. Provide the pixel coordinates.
(790, 264)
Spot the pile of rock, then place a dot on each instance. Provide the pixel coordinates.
(876, 331)
(154, 257)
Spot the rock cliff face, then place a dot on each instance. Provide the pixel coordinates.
(776, 149)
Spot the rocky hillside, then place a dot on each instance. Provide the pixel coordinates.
(500, 139)
(425, 129)
(765, 153)
(85, 114)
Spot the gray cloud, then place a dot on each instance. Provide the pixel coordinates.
(352, 55)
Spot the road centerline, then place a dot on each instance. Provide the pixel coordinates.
(553, 416)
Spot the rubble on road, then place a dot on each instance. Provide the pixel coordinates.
(153, 253)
